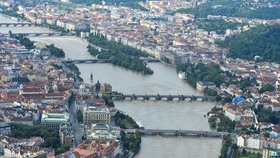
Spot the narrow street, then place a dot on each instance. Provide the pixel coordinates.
(76, 127)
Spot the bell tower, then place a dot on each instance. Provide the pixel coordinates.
(91, 78)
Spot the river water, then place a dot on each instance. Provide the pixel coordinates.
(152, 114)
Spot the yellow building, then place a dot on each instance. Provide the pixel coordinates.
(96, 114)
(105, 88)
(202, 85)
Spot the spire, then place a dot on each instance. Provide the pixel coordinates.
(91, 78)
(97, 86)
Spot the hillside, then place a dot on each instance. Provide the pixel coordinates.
(263, 41)
(235, 8)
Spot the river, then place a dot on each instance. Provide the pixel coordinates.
(152, 114)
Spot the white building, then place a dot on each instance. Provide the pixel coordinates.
(254, 142)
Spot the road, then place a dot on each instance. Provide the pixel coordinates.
(230, 152)
(76, 127)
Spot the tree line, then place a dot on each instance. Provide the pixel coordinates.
(202, 72)
(125, 121)
(119, 54)
(219, 26)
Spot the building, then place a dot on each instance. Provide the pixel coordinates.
(250, 141)
(21, 148)
(65, 134)
(172, 58)
(25, 151)
(54, 120)
(93, 149)
(240, 141)
(254, 143)
(96, 114)
(201, 85)
(22, 53)
(106, 88)
(275, 132)
(100, 131)
(269, 153)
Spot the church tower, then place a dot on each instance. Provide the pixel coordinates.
(91, 78)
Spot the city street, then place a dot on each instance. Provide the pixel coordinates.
(76, 127)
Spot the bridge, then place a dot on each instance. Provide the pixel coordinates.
(158, 97)
(104, 61)
(186, 133)
(16, 24)
(40, 34)
(87, 61)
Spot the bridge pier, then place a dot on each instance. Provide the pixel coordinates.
(134, 97)
(158, 97)
(193, 98)
(169, 98)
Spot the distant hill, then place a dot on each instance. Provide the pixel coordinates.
(235, 8)
(263, 41)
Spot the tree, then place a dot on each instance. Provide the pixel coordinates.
(119, 54)
(108, 100)
(267, 87)
(259, 41)
(210, 92)
(26, 42)
(79, 116)
(212, 121)
(50, 136)
(57, 52)
(10, 33)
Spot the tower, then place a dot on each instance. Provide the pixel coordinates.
(46, 88)
(91, 78)
(97, 87)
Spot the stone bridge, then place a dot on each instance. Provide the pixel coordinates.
(16, 24)
(158, 97)
(169, 132)
(41, 34)
(104, 61)
(87, 61)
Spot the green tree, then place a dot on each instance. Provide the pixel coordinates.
(259, 41)
(57, 52)
(267, 88)
(80, 116)
(119, 54)
(108, 100)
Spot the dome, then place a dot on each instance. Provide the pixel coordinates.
(82, 87)
(55, 87)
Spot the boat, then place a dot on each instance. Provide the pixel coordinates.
(182, 75)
